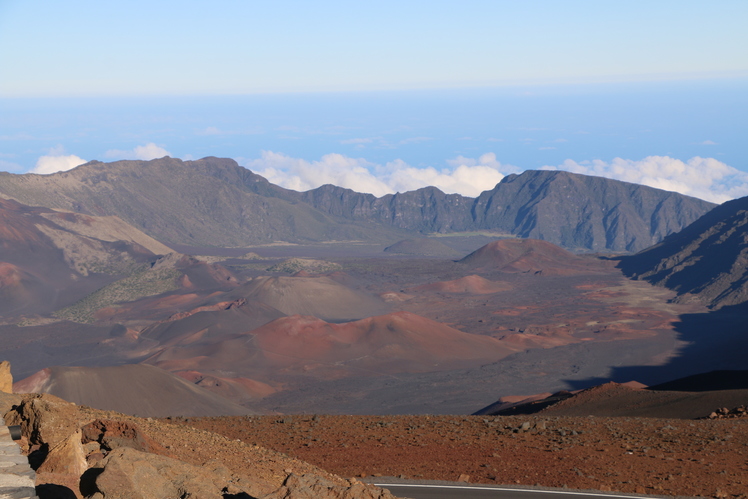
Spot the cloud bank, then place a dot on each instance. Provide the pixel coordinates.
(59, 163)
(465, 176)
(705, 178)
(145, 153)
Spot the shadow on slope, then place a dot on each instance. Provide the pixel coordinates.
(713, 341)
(705, 262)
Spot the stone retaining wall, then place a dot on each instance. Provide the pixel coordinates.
(16, 476)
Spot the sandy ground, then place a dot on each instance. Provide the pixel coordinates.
(674, 457)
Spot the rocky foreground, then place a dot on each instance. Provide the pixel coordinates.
(673, 457)
(83, 452)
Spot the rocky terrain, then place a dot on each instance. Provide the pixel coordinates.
(78, 451)
(83, 452)
(705, 262)
(215, 202)
(672, 457)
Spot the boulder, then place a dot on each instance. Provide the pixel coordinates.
(67, 457)
(6, 379)
(130, 474)
(110, 435)
(309, 486)
(45, 420)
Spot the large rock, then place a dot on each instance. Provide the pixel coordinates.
(66, 457)
(310, 486)
(6, 378)
(112, 435)
(130, 474)
(45, 420)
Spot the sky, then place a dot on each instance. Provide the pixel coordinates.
(383, 96)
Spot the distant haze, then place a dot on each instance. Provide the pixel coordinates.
(387, 96)
(681, 136)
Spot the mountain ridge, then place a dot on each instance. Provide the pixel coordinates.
(215, 201)
(707, 261)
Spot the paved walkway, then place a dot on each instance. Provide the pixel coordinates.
(16, 476)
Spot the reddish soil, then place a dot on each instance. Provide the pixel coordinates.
(639, 455)
(529, 255)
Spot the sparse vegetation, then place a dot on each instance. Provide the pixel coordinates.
(112, 266)
(144, 282)
(293, 265)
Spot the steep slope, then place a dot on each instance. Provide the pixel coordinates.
(581, 212)
(578, 212)
(130, 389)
(207, 202)
(49, 259)
(424, 210)
(707, 261)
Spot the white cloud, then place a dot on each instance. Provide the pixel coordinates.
(302, 175)
(465, 180)
(466, 176)
(145, 153)
(59, 163)
(705, 178)
(708, 143)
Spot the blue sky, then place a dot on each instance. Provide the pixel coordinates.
(383, 96)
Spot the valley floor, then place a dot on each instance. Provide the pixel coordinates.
(673, 457)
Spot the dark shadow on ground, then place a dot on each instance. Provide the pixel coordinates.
(52, 491)
(716, 340)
